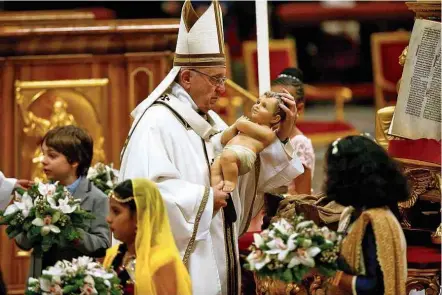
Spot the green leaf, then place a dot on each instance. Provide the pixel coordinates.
(27, 226)
(47, 242)
(287, 275)
(20, 191)
(12, 233)
(326, 271)
(70, 289)
(56, 216)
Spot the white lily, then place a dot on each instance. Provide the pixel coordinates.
(304, 257)
(24, 206)
(265, 234)
(329, 235)
(47, 189)
(107, 283)
(85, 262)
(46, 225)
(92, 173)
(283, 227)
(304, 224)
(45, 285)
(88, 290)
(100, 273)
(291, 241)
(259, 241)
(54, 271)
(32, 281)
(277, 246)
(258, 259)
(89, 280)
(63, 205)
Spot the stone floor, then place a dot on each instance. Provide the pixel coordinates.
(360, 116)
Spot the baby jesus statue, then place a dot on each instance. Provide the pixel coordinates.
(245, 139)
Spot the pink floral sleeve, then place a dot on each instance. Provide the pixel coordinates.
(304, 150)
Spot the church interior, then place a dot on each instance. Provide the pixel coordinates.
(90, 63)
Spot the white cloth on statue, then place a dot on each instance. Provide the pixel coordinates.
(6, 188)
(161, 149)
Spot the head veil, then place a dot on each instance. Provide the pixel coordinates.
(154, 243)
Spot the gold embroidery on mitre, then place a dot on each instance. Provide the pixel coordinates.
(200, 59)
(215, 57)
(190, 17)
(219, 26)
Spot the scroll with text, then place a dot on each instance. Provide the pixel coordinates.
(418, 109)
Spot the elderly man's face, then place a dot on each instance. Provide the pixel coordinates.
(205, 85)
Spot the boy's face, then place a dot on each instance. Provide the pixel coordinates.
(122, 222)
(56, 166)
(263, 111)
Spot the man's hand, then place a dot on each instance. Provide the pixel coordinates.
(219, 197)
(23, 183)
(285, 128)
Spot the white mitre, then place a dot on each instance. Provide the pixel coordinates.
(200, 44)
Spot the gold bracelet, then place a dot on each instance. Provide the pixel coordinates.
(337, 278)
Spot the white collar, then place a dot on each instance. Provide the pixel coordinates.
(178, 91)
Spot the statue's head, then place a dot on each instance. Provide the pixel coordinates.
(267, 110)
(60, 105)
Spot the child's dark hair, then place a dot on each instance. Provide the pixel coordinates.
(74, 143)
(292, 77)
(361, 174)
(125, 190)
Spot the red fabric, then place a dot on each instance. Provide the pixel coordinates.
(391, 69)
(390, 52)
(279, 60)
(246, 240)
(423, 254)
(426, 150)
(317, 127)
(101, 13)
(296, 12)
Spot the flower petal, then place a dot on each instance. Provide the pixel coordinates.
(54, 228)
(45, 285)
(38, 222)
(52, 202)
(293, 262)
(313, 251)
(45, 230)
(259, 241)
(11, 209)
(307, 261)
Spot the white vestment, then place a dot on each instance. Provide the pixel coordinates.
(172, 155)
(6, 188)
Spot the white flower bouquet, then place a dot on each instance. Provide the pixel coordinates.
(81, 276)
(47, 214)
(104, 177)
(287, 251)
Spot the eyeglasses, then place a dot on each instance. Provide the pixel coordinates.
(216, 81)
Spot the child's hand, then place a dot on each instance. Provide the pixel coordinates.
(242, 119)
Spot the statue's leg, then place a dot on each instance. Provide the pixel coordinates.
(229, 167)
(216, 174)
